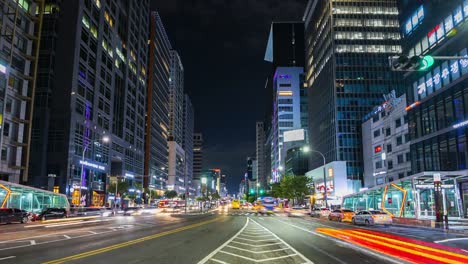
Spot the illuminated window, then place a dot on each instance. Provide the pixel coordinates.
(24, 4)
(85, 21)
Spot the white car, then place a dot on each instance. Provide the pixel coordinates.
(373, 217)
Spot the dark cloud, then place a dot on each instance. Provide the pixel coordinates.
(222, 45)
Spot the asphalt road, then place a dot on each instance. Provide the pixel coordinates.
(226, 238)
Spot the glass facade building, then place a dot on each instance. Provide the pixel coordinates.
(347, 48)
(92, 82)
(438, 97)
(30, 199)
(19, 43)
(157, 106)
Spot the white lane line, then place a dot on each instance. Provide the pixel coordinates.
(264, 245)
(284, 242)
(219, 261)
(258, 252)
(225, 243)
(261, 240)
(67, 237)
(239, 256)
(451, 239)
(261, 218)
(275, 258)
(357, 248)
(9, 257)
(92, 232)
(255, 235)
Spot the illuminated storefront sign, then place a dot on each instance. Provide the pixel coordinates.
(377, 149)
(92, 165)
(461, 124)
(414, 20)
(129, 175)
(440, 76)
(3, 68)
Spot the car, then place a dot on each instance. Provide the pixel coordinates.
(372, 217)
(9, 215)
(324, 212)
(298, 211)
(341, 215)
(52, 213)
(315, 212)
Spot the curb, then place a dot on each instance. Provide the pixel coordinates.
(453, 231)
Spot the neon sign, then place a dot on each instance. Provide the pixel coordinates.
(414, 20)
(377, 149)
(461, 124)
(92, 165)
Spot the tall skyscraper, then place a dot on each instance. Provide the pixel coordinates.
(187, 143)
(285, 50)
(177, 169)
(92, 94)
(176, 98)
(260, 153)
(347, 45)
(197, 155)
(157, 106)
(18, 70)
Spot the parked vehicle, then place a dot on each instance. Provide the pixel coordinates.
(372, 218)
(324, 212)
(340, 215)
(52, 213)
(315, 212)
(9, 215)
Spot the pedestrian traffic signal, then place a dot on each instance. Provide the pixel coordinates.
(415, 63)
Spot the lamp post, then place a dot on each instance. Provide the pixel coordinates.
(258, 185)
(306, 149)
(104, 139)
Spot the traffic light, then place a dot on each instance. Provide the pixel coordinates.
(261, 191)
(415, 63)
(252, 191)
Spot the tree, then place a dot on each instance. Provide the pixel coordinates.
(122, 187)
(215, 196)
(276, 190)
(295, 187)
(170, 194)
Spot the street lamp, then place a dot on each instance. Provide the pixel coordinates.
(306, 149)
(258, 185)
(105, 139)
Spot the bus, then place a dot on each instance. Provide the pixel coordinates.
(235, 204)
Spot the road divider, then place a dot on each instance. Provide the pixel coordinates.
(129, 243)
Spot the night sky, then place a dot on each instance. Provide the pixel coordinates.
(222, 44)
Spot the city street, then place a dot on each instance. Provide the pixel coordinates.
(223, 236)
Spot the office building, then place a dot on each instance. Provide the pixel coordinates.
(285, 50)
(385, 142)
(19, 51)
(91, 97)
(347, 48)
(260, 153)
(176, 98)
(187, 143)
(197, 161)
(286, 112)
(176, 173)
(295, 152)
(437, 103)
(157, 107)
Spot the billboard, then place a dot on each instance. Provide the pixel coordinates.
(293, 135)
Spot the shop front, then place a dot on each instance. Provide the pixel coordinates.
(414, 197)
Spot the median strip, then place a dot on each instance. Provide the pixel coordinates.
(129, 243)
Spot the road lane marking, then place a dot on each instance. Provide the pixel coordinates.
(294, 250)
(257, 252)
(219, 261)
(225, 243)
(351, 246)
(9, 257)
(264, 245)
(67, 237)
(129, 243)
(451, 239)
